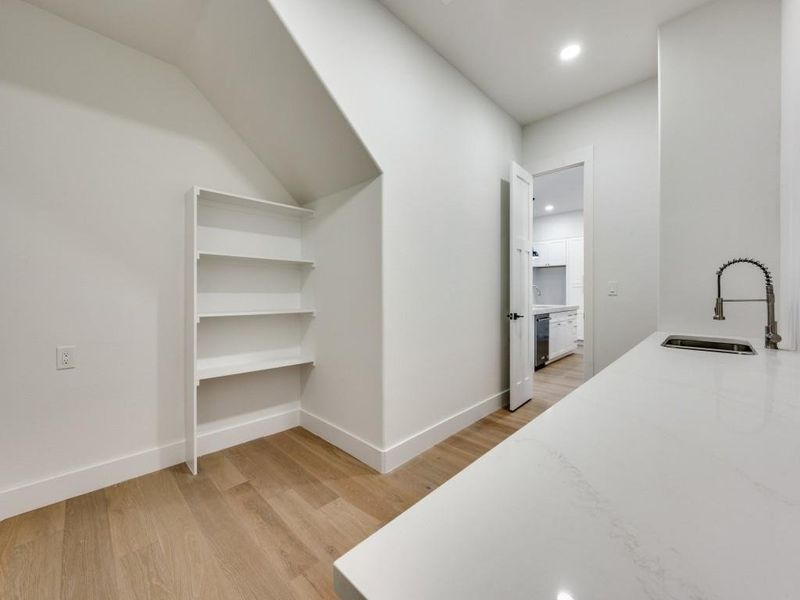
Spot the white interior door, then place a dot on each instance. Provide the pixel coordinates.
(520, 271)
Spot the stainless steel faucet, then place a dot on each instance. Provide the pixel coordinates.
(771, 337)
(538, 291)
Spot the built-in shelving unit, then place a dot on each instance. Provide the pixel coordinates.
(248, 292)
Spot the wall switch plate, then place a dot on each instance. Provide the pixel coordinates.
(613, 288)
(66, 357)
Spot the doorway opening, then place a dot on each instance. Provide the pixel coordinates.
(558, 278)
(561, 257)
(551, 263)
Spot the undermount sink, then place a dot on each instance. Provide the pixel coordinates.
(708, 344)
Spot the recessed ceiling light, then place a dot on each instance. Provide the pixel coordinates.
(570, 52)
(549, 207)
(563, 596)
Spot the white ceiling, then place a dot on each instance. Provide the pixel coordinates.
(562, 189)
(509, 48)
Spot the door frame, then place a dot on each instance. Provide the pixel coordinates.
(551, 164)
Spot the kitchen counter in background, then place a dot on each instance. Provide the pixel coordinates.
(672, 474)
(543, 309)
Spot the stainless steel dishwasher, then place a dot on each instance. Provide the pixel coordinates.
(542, 340)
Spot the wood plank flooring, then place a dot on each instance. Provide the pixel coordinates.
(262, 520)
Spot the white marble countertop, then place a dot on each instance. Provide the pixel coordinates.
(543, 309)
(672, 474)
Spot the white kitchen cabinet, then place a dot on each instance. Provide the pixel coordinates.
(539, 254)
(550, 254)
(557, 253)
(573, 331)
(557, 339)
(570, 253)
(575, 287)
(563, 334)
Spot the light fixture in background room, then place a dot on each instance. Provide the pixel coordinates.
(570, 52)
(549, 207)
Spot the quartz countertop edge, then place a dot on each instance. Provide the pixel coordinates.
(672, 474)
(551, 308)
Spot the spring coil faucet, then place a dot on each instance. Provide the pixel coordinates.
(771, 337)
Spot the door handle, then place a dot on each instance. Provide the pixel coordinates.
(515, 316)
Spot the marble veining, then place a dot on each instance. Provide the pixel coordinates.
(671, 475)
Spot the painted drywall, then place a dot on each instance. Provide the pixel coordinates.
(244, 61)
(720, 123)
(790, 173)
(623, 129)
(98, 145)
(445, 150)
(558, 227)
(345, 387)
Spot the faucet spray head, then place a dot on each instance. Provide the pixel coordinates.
(719, 314)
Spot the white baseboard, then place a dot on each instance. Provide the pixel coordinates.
(387, 460)
(30, 496)
(239, 433)
(60, 487)
(370, 455)
(41, 493)
(404, 451)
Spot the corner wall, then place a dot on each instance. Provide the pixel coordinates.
(720, 131)
(790, 173)
(623, 129)
(98, 145)
(445, 151)
(342, 394)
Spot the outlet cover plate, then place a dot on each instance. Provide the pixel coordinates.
(66, 357)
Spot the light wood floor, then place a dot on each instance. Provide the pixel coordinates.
(263, 520)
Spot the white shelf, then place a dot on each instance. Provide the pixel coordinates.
(277, 208)
(248, 286)
(285, 261)
(222, 366)
(256, 313)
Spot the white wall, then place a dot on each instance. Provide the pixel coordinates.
(720, 113)
(623, 129)
(98, 145)
(345, 388)
(558, 227)
(790, 172)
(444, 149)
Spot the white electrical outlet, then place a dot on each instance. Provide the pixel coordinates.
(66, 357)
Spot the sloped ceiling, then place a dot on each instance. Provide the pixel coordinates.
(242, 58)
